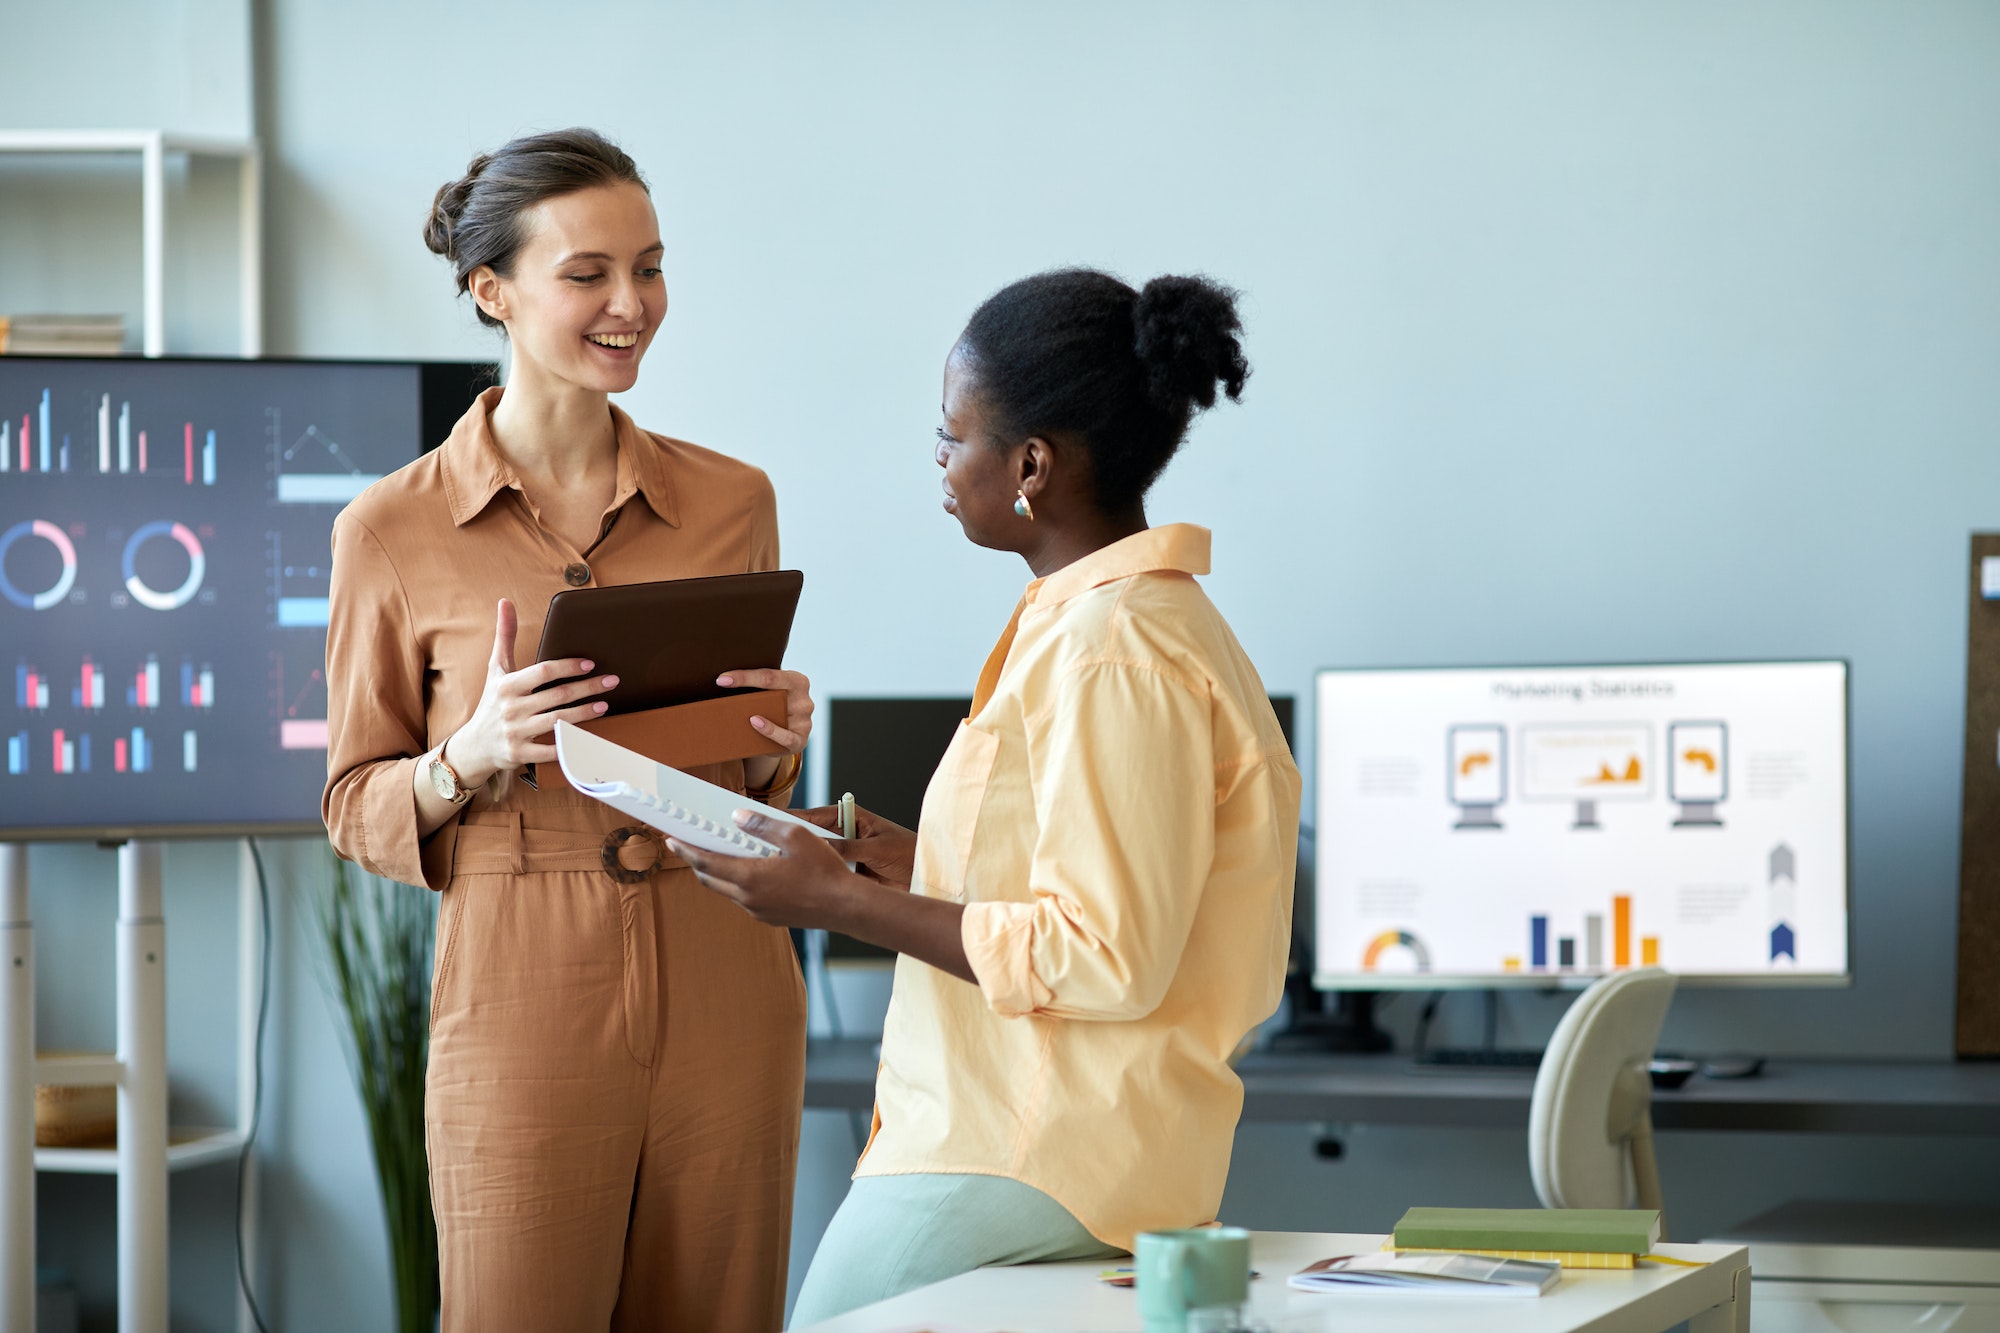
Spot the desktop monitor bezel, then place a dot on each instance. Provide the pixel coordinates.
(438, 384)
(1362, 982)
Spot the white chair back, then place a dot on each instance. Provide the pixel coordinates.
(1590, 1126)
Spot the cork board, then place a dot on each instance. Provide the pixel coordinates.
(1979, 839)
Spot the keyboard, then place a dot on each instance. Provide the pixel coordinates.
(1479, 1057)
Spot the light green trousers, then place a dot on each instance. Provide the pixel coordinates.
(894, 1234)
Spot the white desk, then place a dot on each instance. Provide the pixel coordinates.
(1048, 1298)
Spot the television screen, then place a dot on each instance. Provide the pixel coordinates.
(164, 549)
(1543, 825)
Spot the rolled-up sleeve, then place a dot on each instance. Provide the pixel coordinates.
(375, 717)
(1125, 800)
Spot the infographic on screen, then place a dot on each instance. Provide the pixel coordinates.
(164, 549)
(1537, 823)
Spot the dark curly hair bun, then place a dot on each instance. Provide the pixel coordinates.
(1185, 332)
(479, 220)
(1079, 352)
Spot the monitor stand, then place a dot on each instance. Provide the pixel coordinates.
(1348, 1028)
(1698, 814)
(1470, 817)
(1586, 816)
(1491, 1055)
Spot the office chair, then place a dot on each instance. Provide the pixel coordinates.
(1590, 1126)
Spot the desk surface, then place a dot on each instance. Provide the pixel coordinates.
(1069, 1297)
(1824, 1096)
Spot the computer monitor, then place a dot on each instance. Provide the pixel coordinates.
(164, 557)
(1542, 826)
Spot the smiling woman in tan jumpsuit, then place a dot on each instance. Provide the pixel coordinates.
(617, 1056)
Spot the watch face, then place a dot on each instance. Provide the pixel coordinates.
(442, 780)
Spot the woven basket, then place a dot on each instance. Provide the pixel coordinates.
(74, 1116)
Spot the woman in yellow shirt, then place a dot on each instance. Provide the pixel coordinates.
(1095, 907)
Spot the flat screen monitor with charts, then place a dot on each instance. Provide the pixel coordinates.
(165, 535)
(1542, 826)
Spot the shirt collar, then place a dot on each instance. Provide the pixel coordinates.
(475, 472)
(1180, 547)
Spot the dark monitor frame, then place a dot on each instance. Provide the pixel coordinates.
(445, 389)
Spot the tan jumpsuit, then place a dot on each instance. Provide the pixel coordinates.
(617, 1059)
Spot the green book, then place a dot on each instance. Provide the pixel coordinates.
(1579, 1230)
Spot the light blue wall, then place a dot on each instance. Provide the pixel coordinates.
(1582, 331)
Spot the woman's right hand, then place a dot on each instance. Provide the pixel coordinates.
(512, 725)
(881, 850)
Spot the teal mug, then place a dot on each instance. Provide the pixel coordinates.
(1179, 1271)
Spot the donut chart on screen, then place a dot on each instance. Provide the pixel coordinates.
(54, 536)
(1395, 939)
(197, 566)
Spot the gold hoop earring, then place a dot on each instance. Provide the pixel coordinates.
(1023, 508)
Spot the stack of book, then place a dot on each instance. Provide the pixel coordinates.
(1572, 1237)
(62, 335)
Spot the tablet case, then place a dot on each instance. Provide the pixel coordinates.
(667, 705)
(668, 641)
(709, 731)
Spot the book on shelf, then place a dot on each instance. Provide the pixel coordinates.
(62, 335)
(1622, 1231)
(1432, 1274)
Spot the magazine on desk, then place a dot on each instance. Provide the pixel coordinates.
(1432, 1274)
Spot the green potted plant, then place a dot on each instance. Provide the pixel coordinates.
(378, 939)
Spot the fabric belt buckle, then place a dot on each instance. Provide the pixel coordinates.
(610, 853)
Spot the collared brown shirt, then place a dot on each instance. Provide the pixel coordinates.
(420, 562)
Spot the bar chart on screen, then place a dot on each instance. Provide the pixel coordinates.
(1593, 956)
(31, 688)
(38, 440)
(197, 685)
(68, 752)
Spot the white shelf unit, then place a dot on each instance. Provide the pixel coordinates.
(151, 148)
(148, 1148)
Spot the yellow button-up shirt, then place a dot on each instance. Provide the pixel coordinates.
(1120, 816)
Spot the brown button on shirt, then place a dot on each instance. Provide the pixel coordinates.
(421, 558)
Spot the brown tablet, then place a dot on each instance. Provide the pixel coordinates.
(668, 641)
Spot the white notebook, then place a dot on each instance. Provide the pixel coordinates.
(678, 804)
(1433, 1274)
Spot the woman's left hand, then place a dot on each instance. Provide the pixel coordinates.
(806, 886)
(797, 725)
